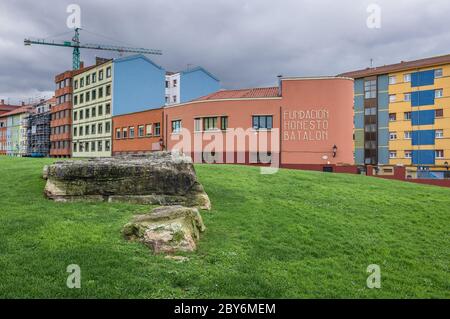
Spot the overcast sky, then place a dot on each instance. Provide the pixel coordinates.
(245, 43)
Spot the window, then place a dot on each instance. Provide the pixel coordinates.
(81, 98)
(439, 113)
(81, 114)
(174, 99)
(107, 127)
(392, 98)
(86, 130)
(392, 79)
(439, 153)
(438, 73)
(81, 132)
(87, 113)
(262, 122)
(176, 126)
(439, 133)
(392, 136)
(88, 96)
(408, 135)
(100, 75)
(124, 132)
(175, 83)
(94, 94)
(75, 131)
(157, 129)
(108, 72)
(407, 77)
(100, 110)
(224, 123)
(439, 93)
(140, 130)
(75, 100)
(209, 123)
(76, 84)
(74, 147)
(370, 111)
(93, 112)
(75, 115)
(408, 154)
(148, 129)
(94, 77)
(118, 133)
(92, 146)
(108, 108)
(131, 131)
(370, 89)
(81, 82)
(392, 117)
(108, 90)
(197, 125)
(392, 154)
(99, 146)
(407, 116)
(93, 127)
(107, 146)
(167, 84)
(100, 93)
(407, 97)
(167, 99)
(100, 128)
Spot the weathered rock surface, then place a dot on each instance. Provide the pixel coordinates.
(159, 178)
(167, 229)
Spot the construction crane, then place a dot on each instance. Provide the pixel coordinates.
(76, 45)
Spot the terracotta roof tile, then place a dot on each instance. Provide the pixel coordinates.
(241, 94)
(22, 109)
(404, 65)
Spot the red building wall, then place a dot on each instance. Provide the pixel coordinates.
(309, 118)
(137, 144)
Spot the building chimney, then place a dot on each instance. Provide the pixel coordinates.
(279, 84)
(81, 64)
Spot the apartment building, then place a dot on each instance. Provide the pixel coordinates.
(61, 113)
(4, 108)
(119, 87)
(16, 130)
(402, 115)
(38, 129)
(188, 85)
(92, 111)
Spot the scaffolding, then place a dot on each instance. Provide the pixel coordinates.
(38, 134)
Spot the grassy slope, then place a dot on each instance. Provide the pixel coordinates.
(293, 234)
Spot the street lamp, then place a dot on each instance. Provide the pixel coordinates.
(334, 150)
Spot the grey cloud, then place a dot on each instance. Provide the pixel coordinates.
(245, 43)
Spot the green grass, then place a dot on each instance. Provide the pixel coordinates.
(293, 234)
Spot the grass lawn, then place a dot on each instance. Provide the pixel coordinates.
(293, 234)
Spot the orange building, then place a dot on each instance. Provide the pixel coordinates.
(61, 113)
(138, 133)
(304, 123)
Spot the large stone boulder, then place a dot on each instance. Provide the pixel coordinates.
(160, 178)
(167, 229)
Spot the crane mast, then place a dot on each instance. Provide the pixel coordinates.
(76, 45)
